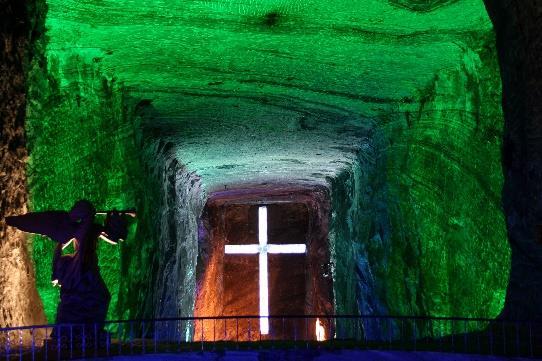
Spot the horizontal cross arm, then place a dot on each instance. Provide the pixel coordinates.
(286, 248)
(242, 249)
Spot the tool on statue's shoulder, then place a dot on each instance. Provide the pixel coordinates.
(125, 212)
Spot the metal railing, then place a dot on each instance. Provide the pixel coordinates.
(133, 337)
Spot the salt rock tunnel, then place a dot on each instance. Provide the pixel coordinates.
(399, 140)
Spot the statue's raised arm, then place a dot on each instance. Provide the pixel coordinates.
(53, 224)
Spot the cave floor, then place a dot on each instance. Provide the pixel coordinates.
(331, 355)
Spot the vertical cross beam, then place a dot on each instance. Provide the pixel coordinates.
(264, 286)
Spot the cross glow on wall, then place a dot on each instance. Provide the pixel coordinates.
(263, 248)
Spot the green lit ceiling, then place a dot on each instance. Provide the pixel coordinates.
(239, 79)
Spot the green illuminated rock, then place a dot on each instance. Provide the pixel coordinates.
(391, 105)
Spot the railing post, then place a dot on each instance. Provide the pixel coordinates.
(83, 341)
(453, 337)
(166, 347)
(331, 338)
(518, 351)
(71, 341)
(143, 336)
(465, 340)
(95, 340)
(503, 337)
(295, 334)
(180, 334)
(8, 346)
(439, 335)
(390, 333)
(381, 327)
(132, 337)
(491, 338)
(20, 344)
(155, 335)
(33, 344)
(531, 339)
(478, 336)
(402, 334)
(119, 338)
(260, 332)
(414, 333)
(46, 345)
(107, 343)
(58, 342)
(306, 333)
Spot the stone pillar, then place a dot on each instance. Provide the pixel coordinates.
(20, 303)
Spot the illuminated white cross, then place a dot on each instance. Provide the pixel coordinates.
(263, 249)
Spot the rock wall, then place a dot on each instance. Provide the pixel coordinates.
(444, 180)
(21, 24)
(360, 230)
(417, 223)
(173, 213)
(177, 251)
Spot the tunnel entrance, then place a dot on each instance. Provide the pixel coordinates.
(264, 254)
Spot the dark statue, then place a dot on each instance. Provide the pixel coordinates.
(84, 297)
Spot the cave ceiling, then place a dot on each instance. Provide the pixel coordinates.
(264, 89)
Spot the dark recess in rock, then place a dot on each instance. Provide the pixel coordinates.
(272, 18)
(519, 45)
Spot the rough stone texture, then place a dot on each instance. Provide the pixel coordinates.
(442, 195)
(160, 264)
(175, 284)
(418, 207)
(359, 227)
(518, 26)
(19, 300)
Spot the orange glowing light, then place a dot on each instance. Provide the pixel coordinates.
(320, 331)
